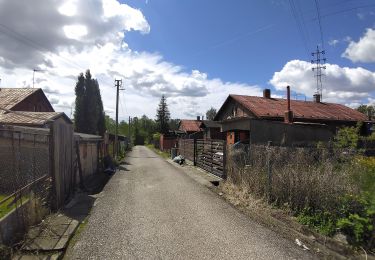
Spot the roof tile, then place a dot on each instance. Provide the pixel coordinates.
(275, 107)
(190, 125)
(9, 97)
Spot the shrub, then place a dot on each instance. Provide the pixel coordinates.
(347, 137)
(323, 222)
(328, 190)
(358, 220)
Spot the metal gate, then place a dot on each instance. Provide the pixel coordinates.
(206, 154)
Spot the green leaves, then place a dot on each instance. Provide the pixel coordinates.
(89, 115)
(163, 116)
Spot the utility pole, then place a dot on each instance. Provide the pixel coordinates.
(118, 83)
(129, 135)
(318, 69)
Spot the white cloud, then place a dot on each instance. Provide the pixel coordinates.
(340, 84)
(68, 8)
(50, 39)
(363, 50)
(47, 27)
(333, 42)
(75, 31)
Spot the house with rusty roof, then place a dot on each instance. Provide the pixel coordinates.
(200, 129)
(262, 119)
(191, 128)
(24, 99)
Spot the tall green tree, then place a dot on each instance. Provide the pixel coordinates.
(211, 113)
(79, 111)
(368, 110)
(162, 116)
(89, 115)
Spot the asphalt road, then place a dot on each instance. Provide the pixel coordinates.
(154, 211)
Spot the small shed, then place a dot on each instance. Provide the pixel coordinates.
(89, 147)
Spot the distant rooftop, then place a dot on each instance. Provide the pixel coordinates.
(190, 125)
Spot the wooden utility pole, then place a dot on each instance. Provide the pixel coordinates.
(129, 135)
(118, 83)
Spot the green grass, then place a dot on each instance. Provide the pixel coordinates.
(5, 208)
(160, 153)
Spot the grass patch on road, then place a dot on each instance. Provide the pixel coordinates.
(160, 153)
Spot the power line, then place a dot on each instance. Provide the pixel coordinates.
(31, 43)
(320, 23)
(345, 10)
(39, 47)
(300, 27)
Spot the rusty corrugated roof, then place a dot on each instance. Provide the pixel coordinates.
(275, 107)
(9, 97)
(190, 125)
(29, 118)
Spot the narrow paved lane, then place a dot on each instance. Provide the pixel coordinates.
(153, 211)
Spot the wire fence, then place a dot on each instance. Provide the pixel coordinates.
(297, 177)
(26, 185)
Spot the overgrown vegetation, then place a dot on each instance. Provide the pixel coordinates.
(331, 190)
(156, 150)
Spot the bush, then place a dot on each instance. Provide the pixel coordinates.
(323, 222)
(358, 221)
(347, 137)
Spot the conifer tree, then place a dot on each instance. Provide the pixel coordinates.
(89, 115)
(162, 116)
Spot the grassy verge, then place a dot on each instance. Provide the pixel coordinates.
(331, 192)
(161, 153)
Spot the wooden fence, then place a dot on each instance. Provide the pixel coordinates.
(62, 170)
(208, 154)
(187, 149)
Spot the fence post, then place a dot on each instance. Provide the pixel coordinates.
(224, 159)
(212, 157)
(195, 151)
(55, 196)
(269, 171)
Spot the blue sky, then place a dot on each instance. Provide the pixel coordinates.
(247, 41)
(194, 52)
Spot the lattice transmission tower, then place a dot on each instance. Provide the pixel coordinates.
(318, 62)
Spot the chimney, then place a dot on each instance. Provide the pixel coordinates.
(288, 117)
(316, 98)
(266, 93)
(198, 118)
